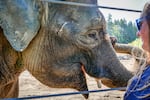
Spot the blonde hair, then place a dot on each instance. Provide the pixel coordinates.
(146, 12)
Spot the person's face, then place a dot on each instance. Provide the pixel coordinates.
(144, 34)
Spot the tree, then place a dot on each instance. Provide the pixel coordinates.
(124, 31)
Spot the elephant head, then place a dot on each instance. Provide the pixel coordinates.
(60, 43)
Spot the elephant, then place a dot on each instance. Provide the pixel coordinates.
(57, 44)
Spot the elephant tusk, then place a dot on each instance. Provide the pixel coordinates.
(99, 84)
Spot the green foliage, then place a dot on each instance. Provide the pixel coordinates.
(137, 43)
(124, 31)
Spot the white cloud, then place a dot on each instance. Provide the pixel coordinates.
(128, 4)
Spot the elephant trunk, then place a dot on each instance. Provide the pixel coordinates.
(117, 74)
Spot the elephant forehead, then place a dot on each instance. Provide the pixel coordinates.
(20, 21)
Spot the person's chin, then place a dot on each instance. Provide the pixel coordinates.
(145, 47)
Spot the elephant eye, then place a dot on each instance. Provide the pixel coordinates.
(93, 34)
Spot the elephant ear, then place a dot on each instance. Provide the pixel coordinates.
(20, 21)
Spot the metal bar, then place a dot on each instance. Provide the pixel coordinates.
(66, 94)
(90, 5)
(70, 3)
(122, 9)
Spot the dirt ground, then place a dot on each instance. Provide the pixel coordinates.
(29, 86)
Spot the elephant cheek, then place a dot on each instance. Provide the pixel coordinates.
(76, 81)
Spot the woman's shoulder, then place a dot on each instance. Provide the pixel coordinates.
(146, 71)
(139, 89)
(146, 74)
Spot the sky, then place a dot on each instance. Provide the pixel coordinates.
(127, 4)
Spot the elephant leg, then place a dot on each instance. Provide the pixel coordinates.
(10, 90)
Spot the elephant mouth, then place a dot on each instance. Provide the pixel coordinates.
(98, 82)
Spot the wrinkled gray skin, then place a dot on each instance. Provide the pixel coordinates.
(70, 40)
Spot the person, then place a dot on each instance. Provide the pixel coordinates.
(139, 86)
